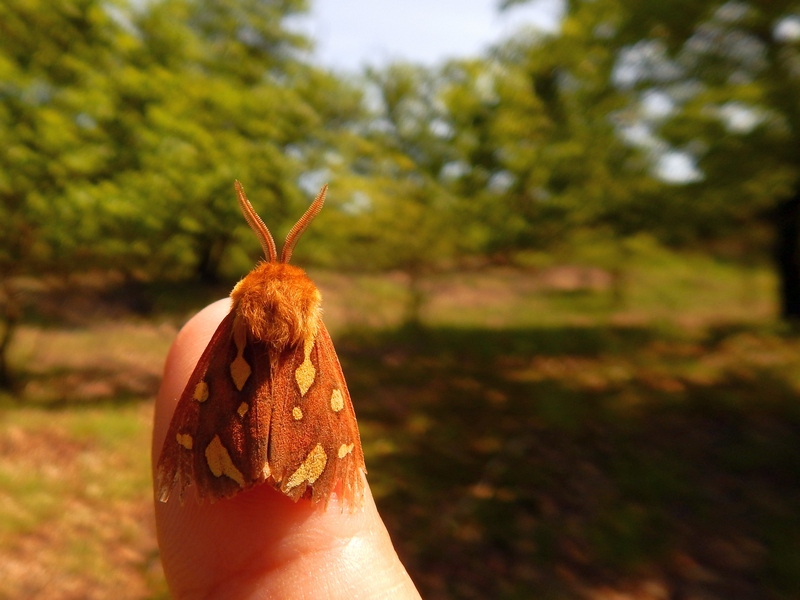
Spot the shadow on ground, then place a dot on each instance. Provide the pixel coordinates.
(577, 462)
(67, 387)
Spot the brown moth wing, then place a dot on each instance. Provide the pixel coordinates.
(227, 427)
(314, 441)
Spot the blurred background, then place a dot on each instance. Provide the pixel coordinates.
(559, 261)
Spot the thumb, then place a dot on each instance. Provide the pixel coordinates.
(261, 544)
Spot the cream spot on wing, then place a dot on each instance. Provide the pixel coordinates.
(266, 471)
(185, 440)
(311, 469)
(306, 372)
(242, 409)
(240, 370)
(201, 392)
(220, 463)
(297, 413)
(337, 401)
(345, 449)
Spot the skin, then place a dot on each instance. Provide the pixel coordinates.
(260, 544)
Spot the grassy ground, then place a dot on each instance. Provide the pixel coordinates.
(75, 502)
(573, 445)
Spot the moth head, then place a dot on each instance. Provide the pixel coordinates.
(278, 302)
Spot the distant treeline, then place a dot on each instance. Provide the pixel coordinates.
(124, 125)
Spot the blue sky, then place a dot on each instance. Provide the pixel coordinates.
(353, 33)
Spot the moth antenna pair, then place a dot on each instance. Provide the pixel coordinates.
(261, 230)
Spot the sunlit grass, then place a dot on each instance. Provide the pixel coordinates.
(655, 287)
(105, 361)
(75, 489)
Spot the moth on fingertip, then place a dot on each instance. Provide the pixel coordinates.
(267, 401)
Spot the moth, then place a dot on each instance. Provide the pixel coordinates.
(267, 401)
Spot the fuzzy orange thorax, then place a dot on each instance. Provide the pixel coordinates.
(279, 304)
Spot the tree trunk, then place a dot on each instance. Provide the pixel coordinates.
(787, 256)
(619, 273)
(416, 298)
(210, 252)
(10, 318)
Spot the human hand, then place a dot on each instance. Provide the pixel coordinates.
(261, 544)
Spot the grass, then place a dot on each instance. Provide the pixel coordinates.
(75, 501)
(536, 437)
(657, 288)
(610, 470)
(75, 516)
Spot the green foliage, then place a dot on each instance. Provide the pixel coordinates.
(393, 210)
(126, 124)
(727, 77)
(50, 64)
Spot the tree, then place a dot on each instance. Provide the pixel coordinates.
(396, 213)
(218, 92)
(724, 75)
(125, 124)
(51, 64)
(538, 155)
(733, 83)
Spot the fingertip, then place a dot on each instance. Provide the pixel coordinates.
(260, 539)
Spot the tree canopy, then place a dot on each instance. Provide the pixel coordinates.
(126, 123)
(125, 126)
